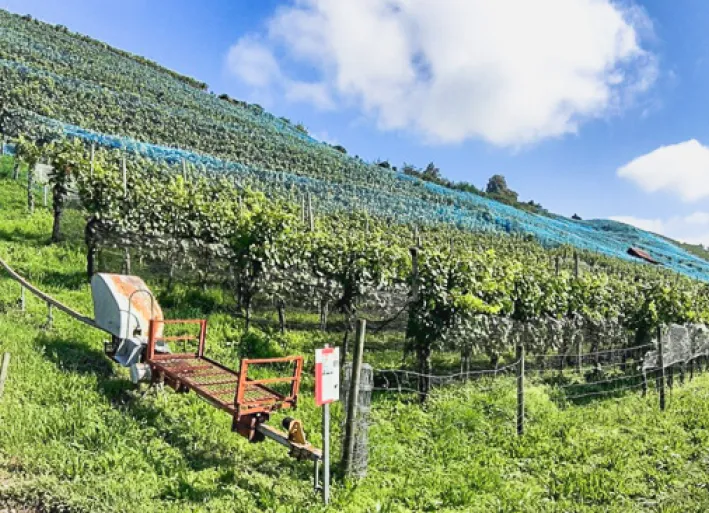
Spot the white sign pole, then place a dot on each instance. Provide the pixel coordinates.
(327, 390)
(326, 453)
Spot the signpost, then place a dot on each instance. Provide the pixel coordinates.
(327, 390)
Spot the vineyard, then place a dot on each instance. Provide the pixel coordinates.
(517, 359)
(75, 431)
(55, 83)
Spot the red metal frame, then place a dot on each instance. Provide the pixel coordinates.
(192, 371)
(245, 406)
(153, 338)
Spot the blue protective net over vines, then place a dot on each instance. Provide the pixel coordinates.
(416, 201)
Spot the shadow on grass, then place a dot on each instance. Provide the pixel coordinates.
(199, 455)
(24, 236)
(75, 356)
(592, 386)
(66, 280)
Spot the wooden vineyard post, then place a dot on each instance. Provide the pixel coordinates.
(577, 270)
(93, 158)
(557, 263)
(353, 398)
(126, 261)
(311, 218)
(124, 172)
(579, 355)
(414, 273)
(644, 386)
(184, 169)
(520, 389)
(50, 316)
(3, 372)
(661, 363)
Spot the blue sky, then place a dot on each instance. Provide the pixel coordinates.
(572, 100)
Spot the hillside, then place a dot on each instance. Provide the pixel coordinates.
(518, 362)
(59, 81)
(76, 436)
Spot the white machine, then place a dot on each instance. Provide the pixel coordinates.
(124, 306)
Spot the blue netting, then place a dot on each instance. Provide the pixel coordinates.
(410, 199)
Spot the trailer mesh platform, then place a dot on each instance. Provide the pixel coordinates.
(227, 389)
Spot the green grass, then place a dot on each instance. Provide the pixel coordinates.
(75, 434)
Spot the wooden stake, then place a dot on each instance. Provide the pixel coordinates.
(311, 218)
(661, 362)
(93, 158)
(520, 389)
(353, 398)
(125, 177)
(414, 273)
(577, 269)
(3, 372)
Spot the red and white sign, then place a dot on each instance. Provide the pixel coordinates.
(327, 375)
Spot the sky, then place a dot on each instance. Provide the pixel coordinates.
(593, 107)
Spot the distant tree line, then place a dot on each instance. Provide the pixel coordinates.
(496, 189)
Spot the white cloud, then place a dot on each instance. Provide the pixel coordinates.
(693, 228)
(682, 169)
(253, 63)
(311, 92)
(510, 72)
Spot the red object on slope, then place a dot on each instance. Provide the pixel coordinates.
(643, 255)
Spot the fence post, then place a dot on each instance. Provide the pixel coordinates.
(661, 362)
(3, 372)
(520, 389)
(50, 316)
(579, 354)
(353, 398)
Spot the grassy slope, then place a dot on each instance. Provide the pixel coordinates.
(74, 433)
